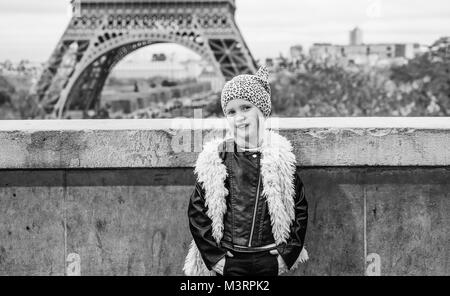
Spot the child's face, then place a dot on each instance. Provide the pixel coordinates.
(246, 121)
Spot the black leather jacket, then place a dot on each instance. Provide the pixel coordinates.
(247, 221)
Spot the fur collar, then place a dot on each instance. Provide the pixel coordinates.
(278, 167)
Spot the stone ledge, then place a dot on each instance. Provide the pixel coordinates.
(371, 141)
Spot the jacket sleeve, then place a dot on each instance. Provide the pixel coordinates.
(201, 228)
(291, 250)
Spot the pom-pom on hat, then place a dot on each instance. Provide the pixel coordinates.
(252, 88)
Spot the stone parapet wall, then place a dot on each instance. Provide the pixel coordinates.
(176, 142)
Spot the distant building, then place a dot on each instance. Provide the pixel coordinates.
(210, 76)
(280, 62)
(161, 66)
(360, 53)
(441, 47)
(296, 52)
(269, 63)
(159, 57)
(356, 36)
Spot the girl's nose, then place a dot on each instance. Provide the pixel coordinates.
(239, 118)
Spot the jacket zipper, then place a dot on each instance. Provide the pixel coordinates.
(254, 212)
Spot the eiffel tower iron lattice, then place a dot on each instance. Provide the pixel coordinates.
(103, 32)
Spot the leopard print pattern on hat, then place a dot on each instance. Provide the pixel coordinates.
(252, 88)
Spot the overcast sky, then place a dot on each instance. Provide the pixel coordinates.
(30, 29)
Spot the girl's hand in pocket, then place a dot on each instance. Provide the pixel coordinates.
(219, 266)
(282, 268)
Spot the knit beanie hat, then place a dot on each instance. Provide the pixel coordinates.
(252, 88)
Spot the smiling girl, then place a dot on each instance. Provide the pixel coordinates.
(248, 212)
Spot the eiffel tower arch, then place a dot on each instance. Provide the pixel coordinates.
(103, 32)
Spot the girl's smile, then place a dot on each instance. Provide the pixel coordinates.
(242, 125)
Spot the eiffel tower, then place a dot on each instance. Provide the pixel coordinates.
(103, 32)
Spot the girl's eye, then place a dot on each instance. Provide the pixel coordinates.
(231, 112)
(246, 107)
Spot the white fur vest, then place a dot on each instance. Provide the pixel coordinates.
(278, 167)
